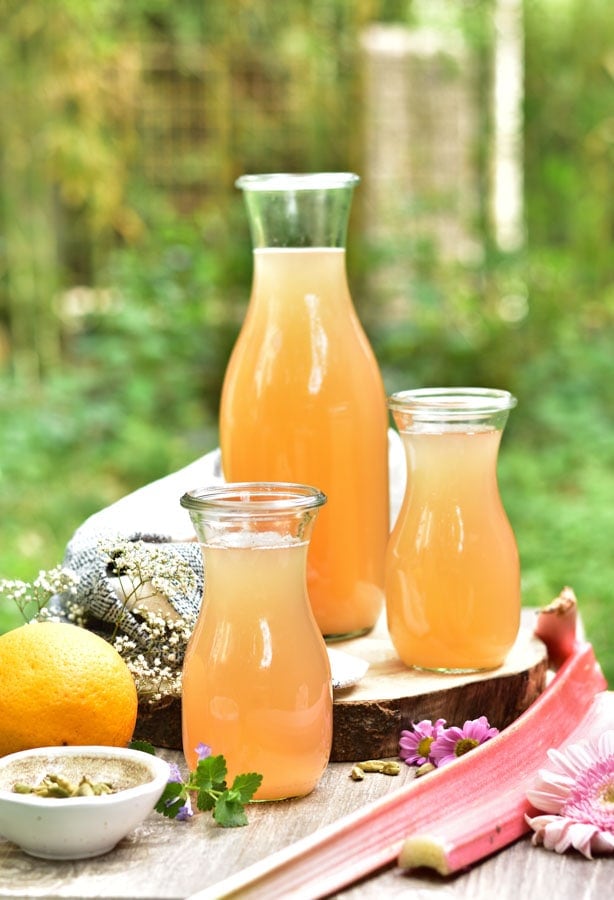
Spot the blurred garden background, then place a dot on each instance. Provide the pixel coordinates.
(480, 245)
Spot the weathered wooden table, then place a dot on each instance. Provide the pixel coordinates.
(164, 860)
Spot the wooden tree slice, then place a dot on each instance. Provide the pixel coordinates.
(368, 717)
(159, 722)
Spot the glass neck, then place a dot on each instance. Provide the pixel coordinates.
(442, 410)
(247, 514)
(298, 210)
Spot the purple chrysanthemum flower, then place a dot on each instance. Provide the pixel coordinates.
(577, 797)
(415, 746)
(454, 742)
(202, 750)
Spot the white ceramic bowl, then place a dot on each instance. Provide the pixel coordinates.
(78, 827)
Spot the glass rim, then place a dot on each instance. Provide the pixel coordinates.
(300, 181)
(249, 498)
(437, 404)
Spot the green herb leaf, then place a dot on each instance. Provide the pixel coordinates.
(246, 786)
(208, 782)
(172, 799)
(206, 800)
(143, 746)
(229, 812)
(210, 774)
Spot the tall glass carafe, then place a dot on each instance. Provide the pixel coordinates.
(452, 571)
(256, 676)
(303, 399)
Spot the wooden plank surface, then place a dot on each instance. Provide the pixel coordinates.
(165, 860)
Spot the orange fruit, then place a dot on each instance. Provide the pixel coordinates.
(61, 684)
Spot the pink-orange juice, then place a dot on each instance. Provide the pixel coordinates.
(256, 682)
(453, 580)
(303, 400)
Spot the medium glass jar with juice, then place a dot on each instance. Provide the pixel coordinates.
(303, 399)
(256, 675)
(452, 568)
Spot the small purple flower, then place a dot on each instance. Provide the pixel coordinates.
(415, 746)
(185, 812)
(202, 750)
(174, 773)
(454, 742)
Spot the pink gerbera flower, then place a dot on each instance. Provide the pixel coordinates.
(415, 746)
(577, 797)
(454, 742)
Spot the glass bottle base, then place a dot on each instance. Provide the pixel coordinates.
(456, 670)
(290, 795)
(347, 635)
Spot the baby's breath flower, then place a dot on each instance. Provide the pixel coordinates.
(155, 666)
(146, 563)
(147, 575)
(31, 598)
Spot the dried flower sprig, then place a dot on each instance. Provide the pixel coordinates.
(156, 662)
(31, 598)
(148, 571)
(208, 784)
(431, 745)
(147, 575)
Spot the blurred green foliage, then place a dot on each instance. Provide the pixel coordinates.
(108, 387)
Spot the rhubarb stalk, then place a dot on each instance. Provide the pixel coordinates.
(460, 837)
(434, 820)
(557, 625)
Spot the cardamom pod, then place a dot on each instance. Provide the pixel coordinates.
(54, 786)
(372, 765)
(20, 788)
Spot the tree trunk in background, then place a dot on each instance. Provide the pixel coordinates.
(421, 131)
(28, 225)
(507, 207)
(423, 127)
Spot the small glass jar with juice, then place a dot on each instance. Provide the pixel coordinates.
(256, 675)
(452, 568)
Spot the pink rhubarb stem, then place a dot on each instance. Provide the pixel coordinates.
(373, 836)
(557, 626)
(569, 709)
